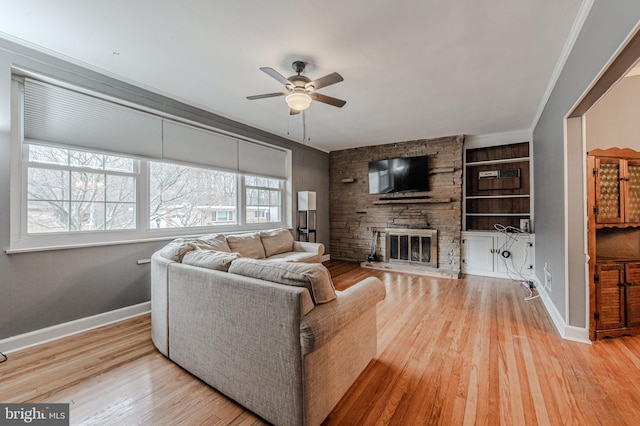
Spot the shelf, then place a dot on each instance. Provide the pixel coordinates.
(489, 197)
(503, 193)
(498, 152)
(413, 201)
(442, 170)
(617, 225)
(498, 214)
(505, 160)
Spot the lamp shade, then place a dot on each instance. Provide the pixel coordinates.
(298, 100)
(306, 200)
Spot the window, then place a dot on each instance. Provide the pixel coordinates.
(88, 171)
(187, 197)
(263, 199)
(70, 190)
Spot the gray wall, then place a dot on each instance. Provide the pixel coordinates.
(606, 27)
(42, 289)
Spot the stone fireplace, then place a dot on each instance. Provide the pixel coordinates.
(412, 246)
(357, 217)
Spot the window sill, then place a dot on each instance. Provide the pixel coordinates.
(140, 240)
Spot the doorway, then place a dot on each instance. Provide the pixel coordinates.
(582, 268)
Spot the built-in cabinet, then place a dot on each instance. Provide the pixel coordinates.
(617, 191)
(497, 186)
(613, 197)
(496, 254)
(497, 196)
(617, 297)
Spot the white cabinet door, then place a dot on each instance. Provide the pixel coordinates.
(477, 254)
(495, 254)
(514, 255)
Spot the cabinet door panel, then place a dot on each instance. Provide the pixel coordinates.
(477, 254)
(518, 263)
(610, 296)
(632, 199)
(608, 196)
(632, 272)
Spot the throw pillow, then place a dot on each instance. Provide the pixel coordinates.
(314, 276)
(216, 242)
(248, 245)
(211, 259)
(177, 248)
(277, 241)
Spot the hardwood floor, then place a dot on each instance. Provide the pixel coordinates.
(450, 352)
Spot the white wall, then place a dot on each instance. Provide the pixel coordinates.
(614, 121)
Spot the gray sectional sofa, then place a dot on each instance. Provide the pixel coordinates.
(271, 334)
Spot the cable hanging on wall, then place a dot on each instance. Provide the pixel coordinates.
(514, 271)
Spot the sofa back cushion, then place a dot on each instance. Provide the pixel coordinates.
(277, 241)
(313, 276)
(248, 245)
(211, 259)
(177, 248)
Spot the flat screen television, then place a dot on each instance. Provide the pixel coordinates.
(407, 174)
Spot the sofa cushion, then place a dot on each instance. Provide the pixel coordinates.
(177, 248)
(295, 256)
(277, 241)
(313, 276)
(248, 245)
(217, 242)
(211, 259)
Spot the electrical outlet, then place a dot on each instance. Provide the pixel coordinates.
(547, 277)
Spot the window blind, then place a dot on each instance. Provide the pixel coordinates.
(261, 160)
(198, 146)
(57, 115)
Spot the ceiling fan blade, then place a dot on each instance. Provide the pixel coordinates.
(266, 95)
(327, 80)
(327, 100)
(293, 112)
(275, 74)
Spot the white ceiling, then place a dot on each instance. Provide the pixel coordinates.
(412, 68)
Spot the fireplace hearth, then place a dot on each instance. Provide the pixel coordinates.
(412, 246)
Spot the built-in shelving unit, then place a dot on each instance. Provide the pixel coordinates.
(498, 186)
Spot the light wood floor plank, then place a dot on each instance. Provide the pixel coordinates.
(450, 352)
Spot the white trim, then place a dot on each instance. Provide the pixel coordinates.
(44, 335)
(326, 257)
(493, 139)
(567, 332)
(583, 13)
(577, 334)
(565, 220)
(557, 319)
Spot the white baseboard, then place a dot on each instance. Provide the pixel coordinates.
(577, 334)
(567, 332)
(326, 257)
(37, 337)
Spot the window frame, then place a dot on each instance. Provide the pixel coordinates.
(27, 165)
(21, 241)
(281, 189)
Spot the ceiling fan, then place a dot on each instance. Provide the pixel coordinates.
(301, 90)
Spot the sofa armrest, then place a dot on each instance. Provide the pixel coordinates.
(326, 320)
(309, 247)
(160, 301)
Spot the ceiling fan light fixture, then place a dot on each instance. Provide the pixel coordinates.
(298, 100)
